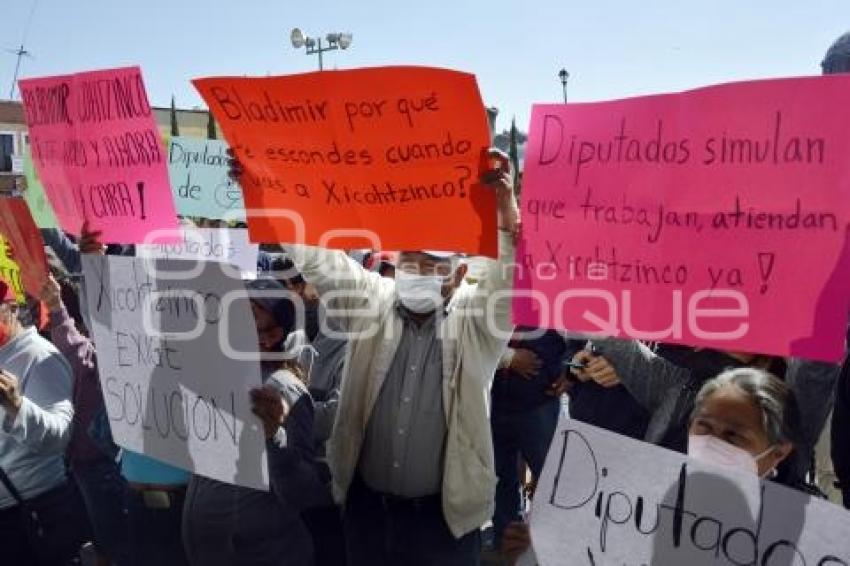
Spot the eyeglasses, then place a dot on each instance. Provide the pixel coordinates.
(440, 269)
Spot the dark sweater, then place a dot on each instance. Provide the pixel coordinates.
(226, 525)
(611, 408)
(88, 399)
(513, 393)
(841, 433)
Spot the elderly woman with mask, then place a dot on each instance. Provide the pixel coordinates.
(745, 418)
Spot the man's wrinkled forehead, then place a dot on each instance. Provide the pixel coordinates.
(425, 264)
(422, 257)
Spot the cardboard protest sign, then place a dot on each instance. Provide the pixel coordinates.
(360, 158)
(199, 180)
(223, 245)
(98, 153)
(693, 218)
(42, 212)
(27, 272)
(172, 390)
(605, 499)
(10, 270)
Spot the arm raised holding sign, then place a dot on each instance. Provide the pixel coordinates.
(90, 240)
(458, 331)
(348, 287)
(69, 252)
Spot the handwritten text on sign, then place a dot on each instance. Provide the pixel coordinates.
(222, 245)
(596, 507)
(98, 152)
(170, 390)
(27, 271)
(693, 218)
(385, 150)
(198, 171)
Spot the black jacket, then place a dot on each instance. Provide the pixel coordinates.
(841, 433)
(513, 393)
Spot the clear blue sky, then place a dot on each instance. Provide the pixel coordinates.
(611, 48)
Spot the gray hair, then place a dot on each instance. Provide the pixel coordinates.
(770, 394)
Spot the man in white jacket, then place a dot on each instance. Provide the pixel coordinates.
(411, 451)
(35, 426)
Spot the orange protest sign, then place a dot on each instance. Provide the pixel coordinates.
(384, 157)
(26, 271)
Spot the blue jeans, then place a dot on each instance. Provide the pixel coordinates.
(525, 434)
(102, 488)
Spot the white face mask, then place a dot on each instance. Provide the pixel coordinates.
(712, 450)
(419, 293)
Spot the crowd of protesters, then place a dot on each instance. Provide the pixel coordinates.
(416, 444)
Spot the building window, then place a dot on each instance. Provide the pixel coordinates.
(7, 149)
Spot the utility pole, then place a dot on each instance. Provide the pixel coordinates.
(20, 52)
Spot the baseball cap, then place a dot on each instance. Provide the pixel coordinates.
(436, 254)
(275, 298)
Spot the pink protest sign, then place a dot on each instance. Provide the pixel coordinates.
(98, 153)
(715, 217)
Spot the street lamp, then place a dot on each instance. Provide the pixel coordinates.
(314, 45)
(564, 76)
